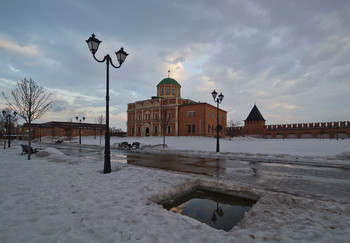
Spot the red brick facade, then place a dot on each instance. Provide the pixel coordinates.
(63, 129)
(200, 119)
(170, 114)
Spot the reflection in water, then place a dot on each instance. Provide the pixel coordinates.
(173, 162)
(259, 172)
(218, 210)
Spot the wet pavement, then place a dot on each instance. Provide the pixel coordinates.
(325, 183)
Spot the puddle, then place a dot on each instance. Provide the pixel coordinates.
(218, 210)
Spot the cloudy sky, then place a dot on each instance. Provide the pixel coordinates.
(291, 58)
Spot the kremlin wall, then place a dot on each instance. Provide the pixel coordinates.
(255, 126)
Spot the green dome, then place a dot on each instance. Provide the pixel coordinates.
(169, 81)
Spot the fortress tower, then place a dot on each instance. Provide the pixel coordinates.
(255, 123)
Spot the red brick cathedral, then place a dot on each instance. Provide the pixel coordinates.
(169, 114)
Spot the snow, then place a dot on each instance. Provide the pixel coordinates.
(58, 198)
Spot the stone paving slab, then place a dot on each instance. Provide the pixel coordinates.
(331, 184)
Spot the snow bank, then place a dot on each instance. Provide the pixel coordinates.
(55, 198)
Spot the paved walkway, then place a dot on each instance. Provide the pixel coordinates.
(332, 184)
(326, 183)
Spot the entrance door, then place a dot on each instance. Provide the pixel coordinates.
(147, 132)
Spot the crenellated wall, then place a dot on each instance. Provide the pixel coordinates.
(311, 125)
(339, 129)
(336, 130)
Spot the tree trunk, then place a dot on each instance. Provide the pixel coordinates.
(29, 140)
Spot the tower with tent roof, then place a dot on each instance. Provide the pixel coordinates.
(254, 125)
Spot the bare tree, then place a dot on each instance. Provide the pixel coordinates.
(100, 120)
(30, 101)
(233, 124)
(8, 123)
(3, 128)
(164, 120)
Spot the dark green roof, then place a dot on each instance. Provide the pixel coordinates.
(169, 81)
(255, 115)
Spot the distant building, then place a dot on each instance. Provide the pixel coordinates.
(255, 126)
(63, 129)
(170, 114)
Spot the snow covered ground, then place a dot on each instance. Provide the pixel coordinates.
(57, 198)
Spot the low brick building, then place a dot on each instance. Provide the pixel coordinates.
(63, 129)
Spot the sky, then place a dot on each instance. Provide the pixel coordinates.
(290, 58)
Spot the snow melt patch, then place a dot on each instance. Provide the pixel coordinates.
(72, 201)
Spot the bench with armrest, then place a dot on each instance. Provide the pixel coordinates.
(123, 145)
(25, 149)
(135, 145)
(128, 146)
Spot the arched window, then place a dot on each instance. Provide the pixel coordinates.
(161, 91)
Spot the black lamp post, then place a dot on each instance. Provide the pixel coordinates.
(80, 121)
(93, 44)
(217, 211)
(187, 124)
(218, 99)
(7, 115)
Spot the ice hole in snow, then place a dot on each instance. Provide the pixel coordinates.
(216, 209)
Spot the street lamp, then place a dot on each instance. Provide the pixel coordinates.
(80, 121)
(217, 211)
(93, 44)
(218, 99)
(186, 125)
(7, 115)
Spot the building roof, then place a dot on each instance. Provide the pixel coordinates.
(168, 81)
(255, 115)
(67, 125)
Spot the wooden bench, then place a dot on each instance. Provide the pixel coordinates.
(123, 145)
(128, 146)
(135, 145)
(25, 149)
